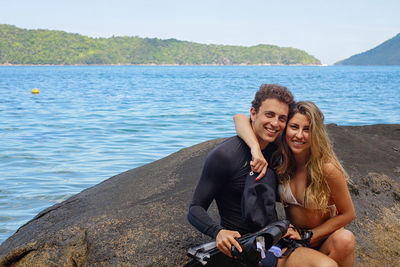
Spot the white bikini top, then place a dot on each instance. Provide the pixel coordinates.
(289, 198)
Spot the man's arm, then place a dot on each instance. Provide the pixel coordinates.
(211, 180)
(214, 176)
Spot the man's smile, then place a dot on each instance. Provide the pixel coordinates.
(273, 131)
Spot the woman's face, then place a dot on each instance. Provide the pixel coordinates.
(298, 135)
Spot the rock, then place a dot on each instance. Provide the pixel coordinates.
(371, 156)
(138, 218)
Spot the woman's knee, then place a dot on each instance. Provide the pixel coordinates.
(343, 242)
(307, 257)
(325, 262)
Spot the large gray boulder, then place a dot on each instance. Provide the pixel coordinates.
(138, 218)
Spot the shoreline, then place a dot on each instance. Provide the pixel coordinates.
(184, 65)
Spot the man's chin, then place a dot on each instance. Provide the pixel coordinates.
(268, 139)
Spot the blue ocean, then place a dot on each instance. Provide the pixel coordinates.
(89, 123)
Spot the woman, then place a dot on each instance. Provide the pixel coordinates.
(313, 185)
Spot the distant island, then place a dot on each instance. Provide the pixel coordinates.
(387, 53)
(42, 47)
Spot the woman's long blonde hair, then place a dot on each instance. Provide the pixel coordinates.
(317, 192)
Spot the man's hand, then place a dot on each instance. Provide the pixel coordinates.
(226, 239)
(258, 163)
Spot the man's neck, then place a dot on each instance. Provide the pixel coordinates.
(263, 144)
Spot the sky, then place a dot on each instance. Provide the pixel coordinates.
(330, 30)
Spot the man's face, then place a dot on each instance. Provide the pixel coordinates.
(270, 120)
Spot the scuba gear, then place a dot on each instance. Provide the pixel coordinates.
(292, 244)
(258, 201)
(208, 254)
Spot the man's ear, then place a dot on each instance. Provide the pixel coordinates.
(253, 114)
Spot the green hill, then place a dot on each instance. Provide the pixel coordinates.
(22, 46)
(387, 53)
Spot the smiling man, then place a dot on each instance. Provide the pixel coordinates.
(228, 166)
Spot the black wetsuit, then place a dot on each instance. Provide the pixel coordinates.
(223, 179)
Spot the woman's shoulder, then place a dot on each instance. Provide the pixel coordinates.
(329, 167)
(332, 172)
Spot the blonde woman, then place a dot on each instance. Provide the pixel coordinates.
(312, 185)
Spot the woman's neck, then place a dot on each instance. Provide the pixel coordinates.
(301, 160)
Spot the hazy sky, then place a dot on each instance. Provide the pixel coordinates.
(330, 30)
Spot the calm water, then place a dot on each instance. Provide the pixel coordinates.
(90, 123)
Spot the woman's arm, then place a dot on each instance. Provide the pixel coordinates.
(341, 198)
(245, 131)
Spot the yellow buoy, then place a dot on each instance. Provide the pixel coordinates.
(35, 91)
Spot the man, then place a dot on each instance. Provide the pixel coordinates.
(227, 166)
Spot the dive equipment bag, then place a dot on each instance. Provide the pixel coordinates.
(209, 255)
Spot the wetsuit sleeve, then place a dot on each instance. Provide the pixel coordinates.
(214, 175)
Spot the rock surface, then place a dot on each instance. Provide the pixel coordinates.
(138, 218)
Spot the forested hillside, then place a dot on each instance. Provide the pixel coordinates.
(387, 53)
(22, 46)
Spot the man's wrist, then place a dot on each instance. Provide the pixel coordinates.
(217, 230)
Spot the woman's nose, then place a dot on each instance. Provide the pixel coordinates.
(299, 134)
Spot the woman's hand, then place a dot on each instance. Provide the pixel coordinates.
(292, 233)
(258, 163)
(226, 239)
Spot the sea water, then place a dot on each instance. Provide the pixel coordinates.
(89, 123)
